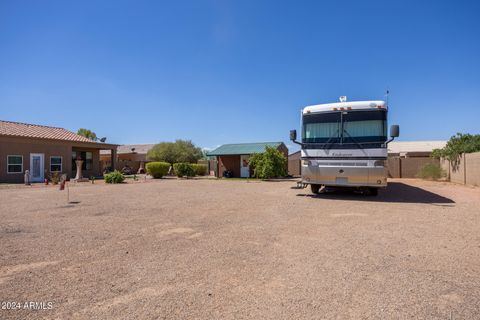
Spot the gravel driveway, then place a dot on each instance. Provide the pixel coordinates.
(207, 249)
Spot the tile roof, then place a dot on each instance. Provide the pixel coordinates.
(18, 129)
(242, 148)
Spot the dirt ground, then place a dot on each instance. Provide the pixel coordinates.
(207, 249)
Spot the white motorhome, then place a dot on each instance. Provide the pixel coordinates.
(345, 145)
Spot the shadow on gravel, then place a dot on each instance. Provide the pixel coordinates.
(70, 204)
(395, 192)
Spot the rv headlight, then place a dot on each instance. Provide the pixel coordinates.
(379, 163)
(306, 162)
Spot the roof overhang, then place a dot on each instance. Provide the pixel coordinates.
(85, 144)
(95, 145)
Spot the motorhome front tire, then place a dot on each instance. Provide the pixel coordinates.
(315, 188)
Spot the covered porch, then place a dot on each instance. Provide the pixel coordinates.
(88, 156)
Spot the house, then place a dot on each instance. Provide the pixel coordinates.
(45, 150)
(128, 155)
(412, 149)
(234, 157)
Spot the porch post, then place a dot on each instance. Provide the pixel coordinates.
(113, 153)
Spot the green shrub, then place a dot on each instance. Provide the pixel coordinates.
(200, 169)
(114, 177)
(184, 169)
(269, 164)
(55, 177)
(157, 169)
(431, 171)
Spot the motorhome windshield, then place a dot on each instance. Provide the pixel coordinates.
(345, 127)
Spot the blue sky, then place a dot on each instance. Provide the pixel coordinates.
(236, 71)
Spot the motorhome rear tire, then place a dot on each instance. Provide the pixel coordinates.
(315, 188)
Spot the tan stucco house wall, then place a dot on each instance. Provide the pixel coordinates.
(23, 147)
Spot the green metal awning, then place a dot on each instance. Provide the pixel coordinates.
(242, 148)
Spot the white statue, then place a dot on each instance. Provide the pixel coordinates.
(79, 169)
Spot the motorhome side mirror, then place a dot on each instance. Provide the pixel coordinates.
(395, 131)
(293, 135)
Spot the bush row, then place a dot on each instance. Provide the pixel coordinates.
(160, 169)
(157, 169)
(200, 169)
(184, 169)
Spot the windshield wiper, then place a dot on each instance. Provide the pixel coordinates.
(354, 141)
(328, 144)
(329, 139)
(344, 122)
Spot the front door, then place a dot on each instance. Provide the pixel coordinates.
(37, 167)
(244, 167)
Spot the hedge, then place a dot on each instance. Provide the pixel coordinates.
(184, 169)
(157, 169)
(200, 169)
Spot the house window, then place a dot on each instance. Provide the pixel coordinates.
(14, 164)
(55, 164)
(87, 158)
